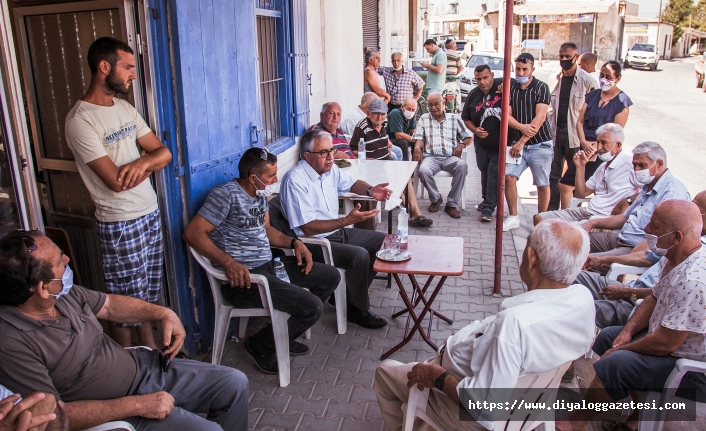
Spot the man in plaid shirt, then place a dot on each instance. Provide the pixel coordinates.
(401, 84)
(443, 136)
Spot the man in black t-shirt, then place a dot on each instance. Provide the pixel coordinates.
(481, 114)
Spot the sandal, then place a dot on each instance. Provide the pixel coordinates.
(421, 221)
(616, 426)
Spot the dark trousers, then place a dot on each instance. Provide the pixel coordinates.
(354, 250)
(391, 106)
(404, 146)
(304, 308)
(562, 153)
(487, 162)
(197, 387)
(624, 370)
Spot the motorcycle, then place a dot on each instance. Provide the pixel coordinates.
(452, 95)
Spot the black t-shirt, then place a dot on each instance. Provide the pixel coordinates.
(483, 110)
(564, 95)
(524, 101)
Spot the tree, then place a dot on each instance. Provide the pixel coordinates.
(681, 13)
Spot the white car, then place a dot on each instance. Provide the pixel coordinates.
(495, 61)
(642, 55)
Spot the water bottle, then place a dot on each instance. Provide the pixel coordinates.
(280, 272)
(403, 225)
(361, 151)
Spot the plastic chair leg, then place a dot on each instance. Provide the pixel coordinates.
(341, 304)
(279, 328)
(243, 327)
(220, 331)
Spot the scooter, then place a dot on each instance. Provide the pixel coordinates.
(452, 95)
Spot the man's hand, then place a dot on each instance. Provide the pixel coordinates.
(19, 417)
(424, 375)
(615, 292)
(173, 334)
(380, 192)
(303, 256)
(458, 150)
(516, 150)
(155, 406)
(357, 216)
(589, 148)
(417, 154)
(528, 130)
(623, 338)
(595, 261)
(238, 275)
(133, 173)
(481, 133)
(587, 226)
(581, 158)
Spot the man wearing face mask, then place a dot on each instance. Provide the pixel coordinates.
(658, 184)
(640, 355)
(612, 185)
(233, 230)
(401, 83)
(568, 89)
(401, 125)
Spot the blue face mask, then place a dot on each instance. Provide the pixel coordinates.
(67, 281)
(522, 79)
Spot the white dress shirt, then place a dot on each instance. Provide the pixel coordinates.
(349, 123)
(534, 332)
(612, 183)
(4, 392)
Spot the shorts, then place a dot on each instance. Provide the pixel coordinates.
(569, 214)
(538, 158)
(133, 258)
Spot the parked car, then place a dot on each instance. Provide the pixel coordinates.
(699, 69)
(642, 55)
(495, 61)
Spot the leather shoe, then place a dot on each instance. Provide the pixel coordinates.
(297, 349)
(434, 207)
(366, 319)
(453, 212)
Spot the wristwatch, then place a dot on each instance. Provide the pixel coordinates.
(293, 241)
(633, 297)
(439, 384)
(629, 200)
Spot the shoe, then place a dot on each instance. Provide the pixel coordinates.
(421, 221)
(434, 207)
(366, 319)
(452, 211)
(486, 216)
(297, 349)
(569, 375)
(512, 222)
(332, 299)
(479, 207)
(266, 363)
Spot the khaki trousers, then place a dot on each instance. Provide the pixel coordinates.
(391, 389)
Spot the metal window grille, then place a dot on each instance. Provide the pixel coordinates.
(269, 75)
(530, 31)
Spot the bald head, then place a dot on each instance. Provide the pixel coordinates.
(434, 97)
(700, 201)
(677, 215)
(587, 62)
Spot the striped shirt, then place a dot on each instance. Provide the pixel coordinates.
(402, 86)
(375, 142)
(453, 63)
(440, 138)
(524, 101)
(340, 143)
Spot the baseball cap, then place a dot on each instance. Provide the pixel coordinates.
(525, 57)
(377, 106)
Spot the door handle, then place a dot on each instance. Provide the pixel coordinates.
(254, 134)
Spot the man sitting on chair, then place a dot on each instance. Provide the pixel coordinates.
(669, 324)
(233, 230)
(537, 331)
(613, 185)
(309, 196)
(52, 342)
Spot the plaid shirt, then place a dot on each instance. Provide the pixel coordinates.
(400, 87)
(440, 138)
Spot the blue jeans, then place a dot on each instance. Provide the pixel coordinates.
(538, 158)
(396, 153)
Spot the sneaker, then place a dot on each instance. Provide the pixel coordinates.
(512, 222)
(297, 349)
(266, 363)
(486, 216)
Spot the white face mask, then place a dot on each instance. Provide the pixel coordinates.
(607, 156)
(652, 243)
(267, 191)
(397, 68)
(643, 177)
(408, 114)
(606, 84)
(522, 79)
(67, 281)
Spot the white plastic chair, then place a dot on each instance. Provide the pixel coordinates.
(340, 292)
(416, 405)
(416, 182)
(115, 425)
(576, 202)
(225, 311)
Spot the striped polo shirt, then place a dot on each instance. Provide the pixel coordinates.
(524, 101)
(375, 142)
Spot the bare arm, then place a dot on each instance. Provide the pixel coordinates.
(436, 68)
(86, 414)
(612, 223)
(418, 93)
(278, 239)
(38, 411)
(580, 189)
(635, 258)
(402, 135)
(371, 78)
(622, 118)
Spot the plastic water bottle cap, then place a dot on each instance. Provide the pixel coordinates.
(404, 210)
(277, 259)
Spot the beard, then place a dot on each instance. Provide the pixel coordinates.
(114, 85)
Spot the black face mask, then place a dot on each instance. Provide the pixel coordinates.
(566, 64)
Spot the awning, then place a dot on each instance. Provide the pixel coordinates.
(563, 8)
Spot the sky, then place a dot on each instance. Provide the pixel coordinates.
(649, 8)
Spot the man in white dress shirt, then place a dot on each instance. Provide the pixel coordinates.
(361, 111)
(536, 331)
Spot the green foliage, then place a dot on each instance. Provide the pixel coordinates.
(683, 13)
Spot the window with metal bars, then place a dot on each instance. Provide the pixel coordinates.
(530, 31)
(270, 77)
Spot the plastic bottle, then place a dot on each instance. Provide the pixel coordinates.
(280, 272)
(361, 151)
(403, 225)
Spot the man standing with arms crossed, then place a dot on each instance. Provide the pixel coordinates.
(103, 132)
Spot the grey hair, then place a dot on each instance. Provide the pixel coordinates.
(396, 53)
(616, 133)
(557, 261)
(307, 140)
(404, 102)
(653, 150)
(368, 97)
(369, 54)
(327, 105)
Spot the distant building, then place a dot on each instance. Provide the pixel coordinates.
(644, 30)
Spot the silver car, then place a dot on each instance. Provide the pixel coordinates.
(496, 62)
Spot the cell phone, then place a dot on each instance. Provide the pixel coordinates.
(164, 361)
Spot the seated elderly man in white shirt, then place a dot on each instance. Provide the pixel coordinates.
(361, 111)
(613, 185)
(534, 332)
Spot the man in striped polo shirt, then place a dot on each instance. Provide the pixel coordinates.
(529, 103)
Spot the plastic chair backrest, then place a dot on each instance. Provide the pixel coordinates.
(214, 275)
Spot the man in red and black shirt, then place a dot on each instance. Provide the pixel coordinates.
(330, 120)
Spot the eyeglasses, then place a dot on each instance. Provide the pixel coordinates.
(324, 153)
(26, 238)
